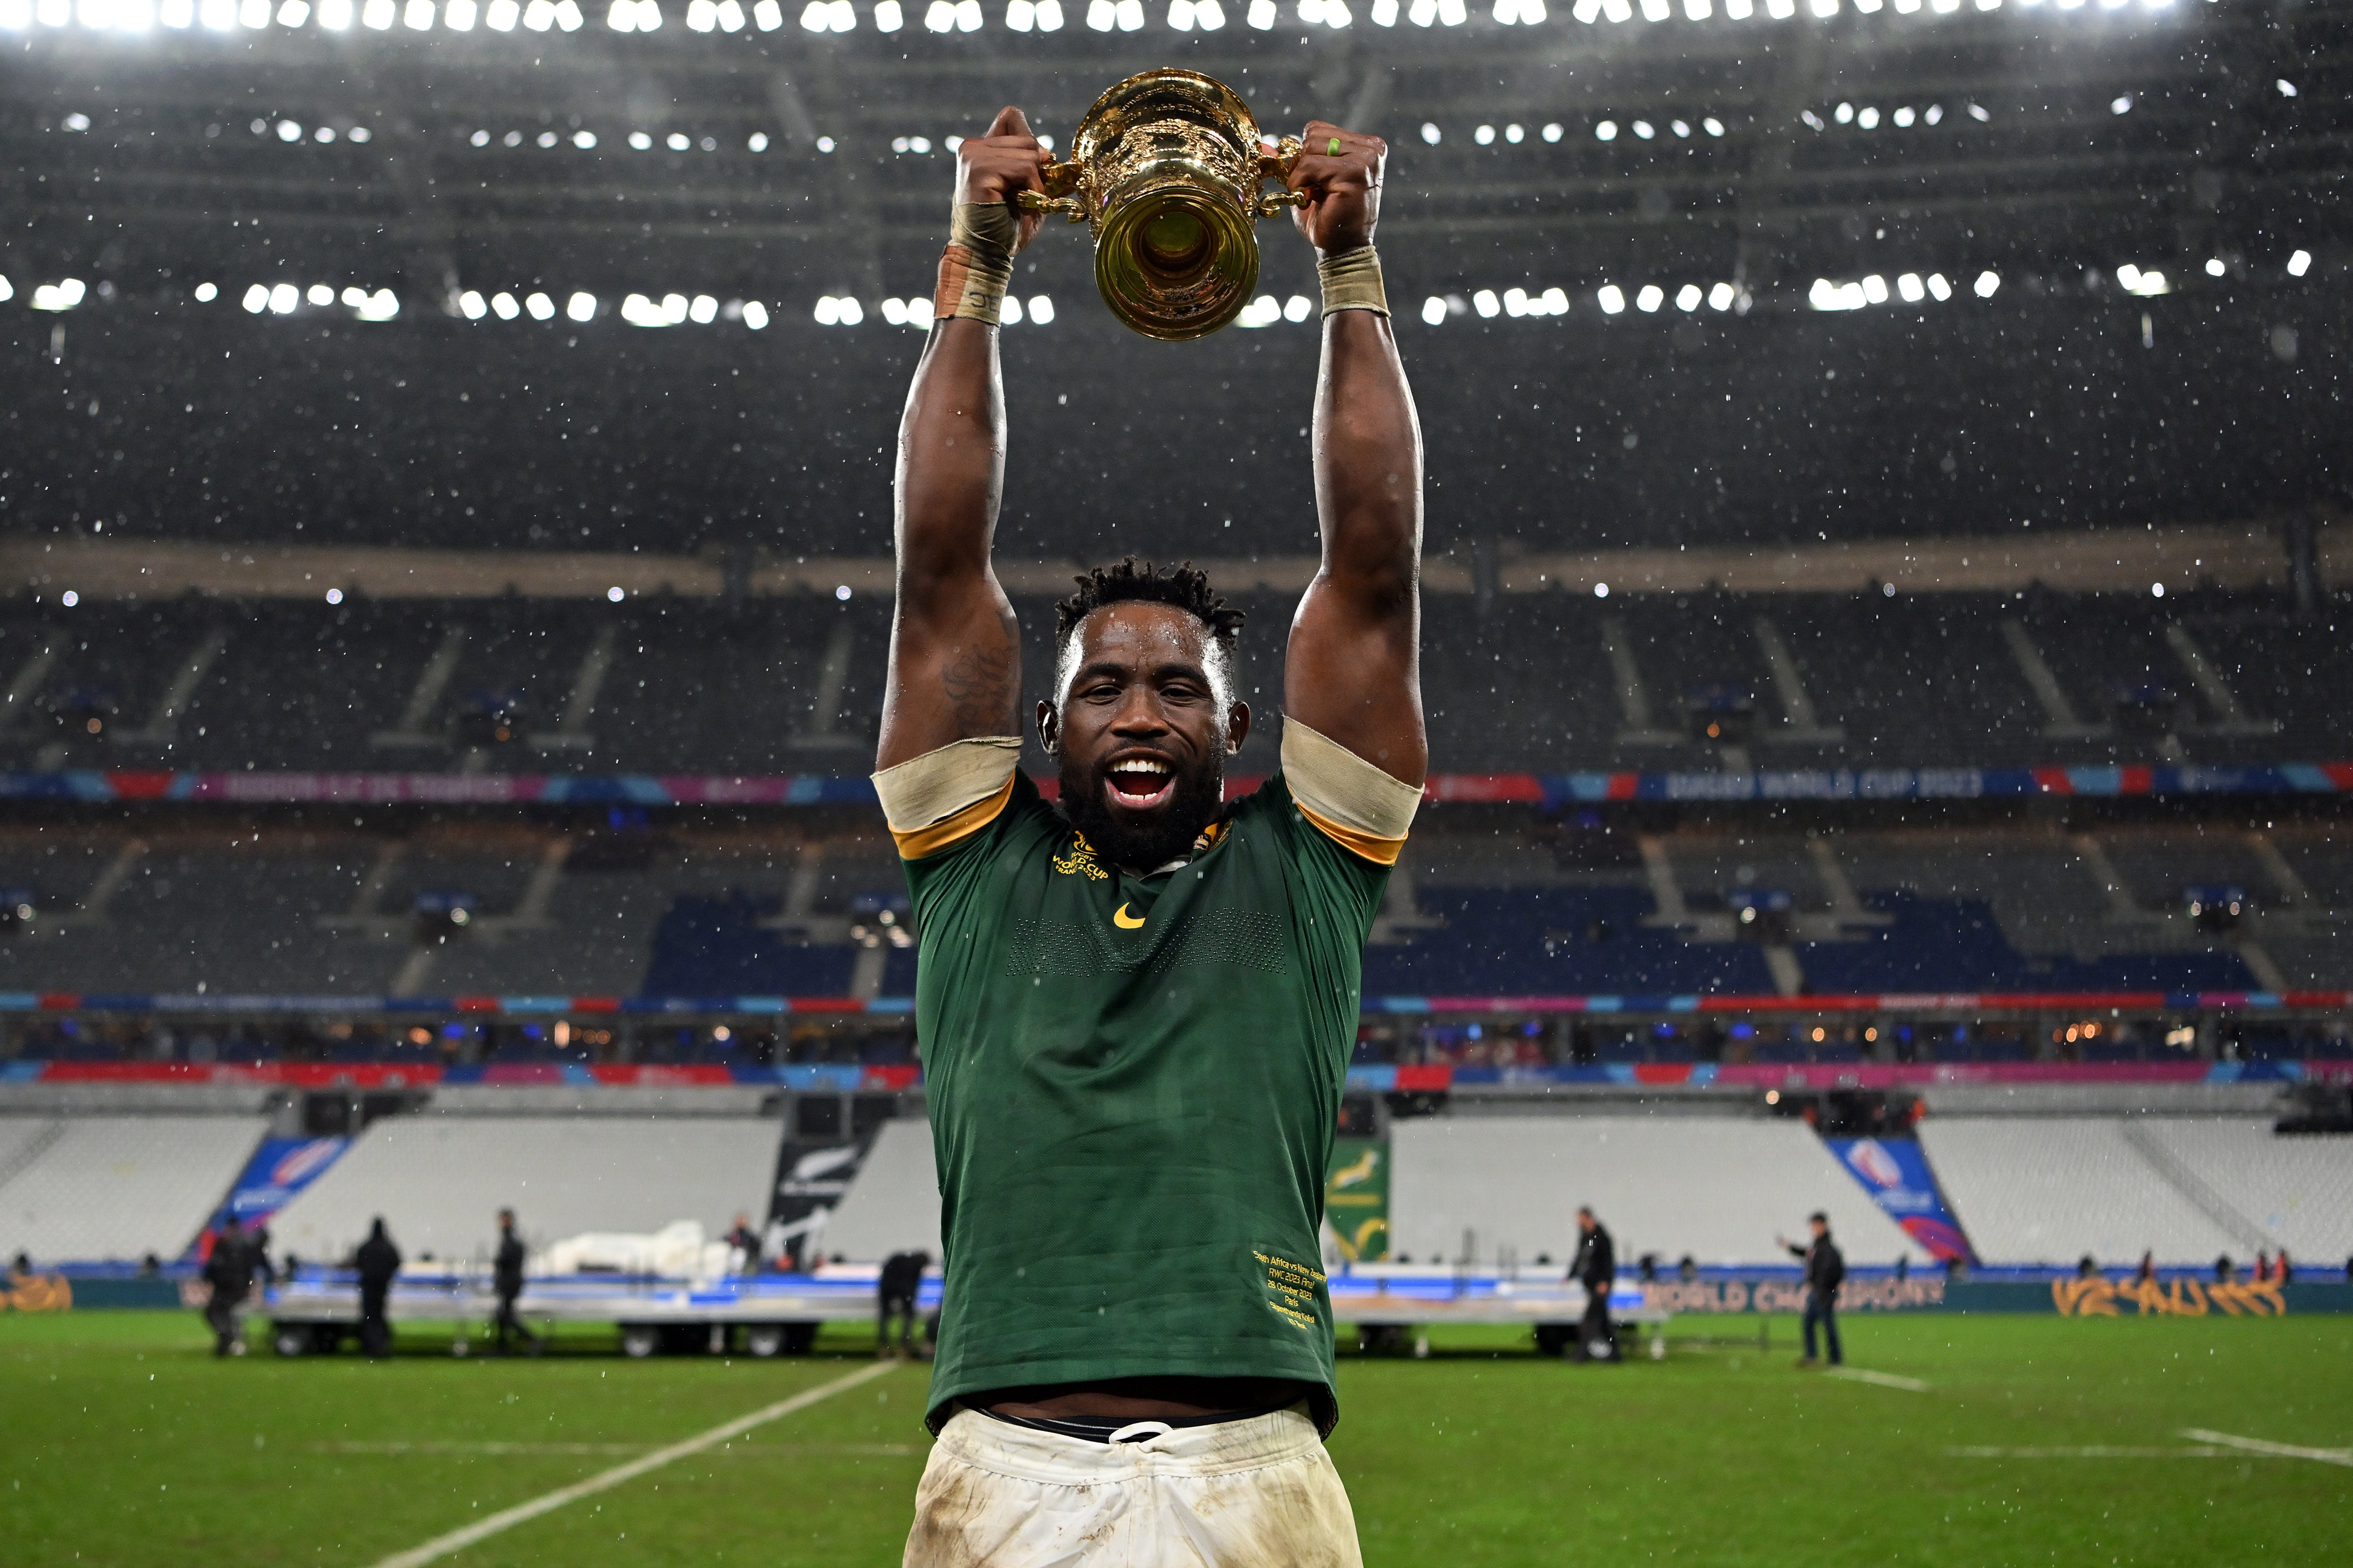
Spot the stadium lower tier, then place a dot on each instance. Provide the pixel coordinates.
(1491, 1188)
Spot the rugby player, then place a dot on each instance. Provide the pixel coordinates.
(1136, 1010)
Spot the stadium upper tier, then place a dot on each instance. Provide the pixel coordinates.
(1536, 680)
(712, 916)
(1692, 274)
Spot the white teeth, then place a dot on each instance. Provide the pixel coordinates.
(1139, 766)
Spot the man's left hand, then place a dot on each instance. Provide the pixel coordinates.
(1343, 186)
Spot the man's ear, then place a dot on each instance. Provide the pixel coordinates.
(1049, 728)
(1238, 721)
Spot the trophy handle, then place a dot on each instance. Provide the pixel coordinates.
(1061, 195)
(1277, 165)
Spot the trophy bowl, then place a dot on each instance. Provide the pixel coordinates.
(1165, 171)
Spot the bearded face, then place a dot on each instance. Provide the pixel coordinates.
(1143, 732)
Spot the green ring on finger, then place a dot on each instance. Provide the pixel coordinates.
(1331, 148)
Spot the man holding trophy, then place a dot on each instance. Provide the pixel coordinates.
(1136, 1008)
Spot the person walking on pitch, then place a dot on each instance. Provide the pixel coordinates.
(1825, 1271)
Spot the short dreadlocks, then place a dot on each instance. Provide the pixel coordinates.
(1186, 587)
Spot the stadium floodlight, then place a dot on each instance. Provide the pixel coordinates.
(967, 14)
(284, 296)
(1384, 13)
(1552, 131)
(1650, 298)
(1721, 297)
(1422, 13)
(1515, 302)
(673, 308)
(1433, 311)
(1008, 313)
(354, 296)
(63, 295)
(568, 17)
(919, 313)
(15, 16)
(381, 15)
(206, 292)
(755, 315)
(1643, 129)
(288, 131)
(888, 16)
(256, 301)
(335, 16)
(320, 294)
(1180, 16)
(2216, 266)
(471, 306)
(1042, 308)
(1937, 287)
(623, 16)
(1336, 13)
(1453, 13)
(1780, 10)
(1486, 305)
(503, 306)
(134, 15)
(500, 15)
(767, 15)
(939, 18)
(1612, 298)
(1874, 289)
(1259, 312)
(53, 13)
(539, 16)
(2299, 264)
(171, 13)
(1739, 10)
(583, 139)
(1262, 14)
(1102, 15)
(1605, 131)
(1987, 281)
(615, 594)
(1601, 590)
(702, 311)
(640, 311)
(1697, 10)
(418, 16)
(1021, 15)
(1484, 135)
(1912, 289)
(459, 16)
(702, 15)
(1049, 15)
(895, 310)
(676, 141)
(732, 18)
(1688, 297)
(1655, 10)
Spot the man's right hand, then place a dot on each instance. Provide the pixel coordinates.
(995, 167)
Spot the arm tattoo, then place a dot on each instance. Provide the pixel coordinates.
(977, 687)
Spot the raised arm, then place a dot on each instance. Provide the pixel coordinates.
(956, 651)
(1353, 672)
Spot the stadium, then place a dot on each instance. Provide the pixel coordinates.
(1884, 585)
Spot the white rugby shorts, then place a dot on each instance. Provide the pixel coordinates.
(1260, 1492)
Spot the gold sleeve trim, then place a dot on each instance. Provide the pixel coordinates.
(1350, 800)
(948, 792)
(917, 843)
(1379, 851)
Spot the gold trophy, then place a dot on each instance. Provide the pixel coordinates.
(1165, 169)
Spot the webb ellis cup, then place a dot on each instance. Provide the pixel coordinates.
(1165, 171)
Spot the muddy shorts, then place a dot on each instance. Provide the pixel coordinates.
(1254, 1493)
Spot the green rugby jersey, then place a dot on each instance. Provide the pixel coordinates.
(1133, 1085)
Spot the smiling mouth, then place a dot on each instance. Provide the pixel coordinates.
(1140, 784)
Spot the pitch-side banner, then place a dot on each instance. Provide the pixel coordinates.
(278, 1168)
(1895, 1173)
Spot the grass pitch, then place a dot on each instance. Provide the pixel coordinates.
(2038, 1440)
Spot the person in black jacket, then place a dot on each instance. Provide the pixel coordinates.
(902, 1277)
(229, 1269)
(1596, 1267)
(1825, 1271)
(506, 1281)
(377, 1261)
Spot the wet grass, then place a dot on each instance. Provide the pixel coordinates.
(2037, 1440)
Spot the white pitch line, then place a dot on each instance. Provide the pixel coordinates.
(1882, 1379)
(458, 1539)
(2277, 1450)
(2092, 1451)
